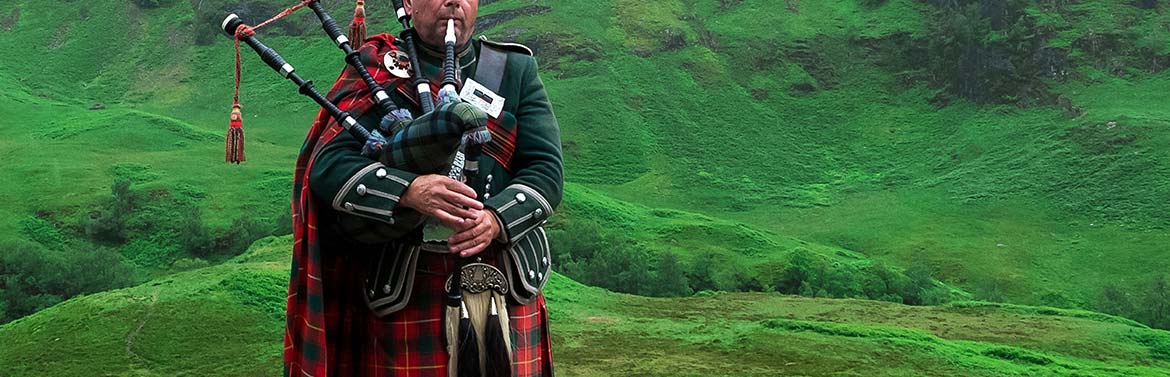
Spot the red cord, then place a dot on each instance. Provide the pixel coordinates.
(245, 30)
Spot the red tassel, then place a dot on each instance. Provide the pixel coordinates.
(357, 27)
(234, 149)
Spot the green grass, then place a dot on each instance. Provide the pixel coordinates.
(769, 129)
(152, 329)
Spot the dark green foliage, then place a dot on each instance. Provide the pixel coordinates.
(150, 3)
(283, 223)
(797, 272)
(191, 233)
(616, 266)
(107, 223)
(701, 273)
(1156, 302)
(1115, 300)
(984, 51)
(33, 277)
(243, 231)
(671, 279)
(43, 232)
(1018, 355)
(156, 227)
(1147, 302)
(1159, 344)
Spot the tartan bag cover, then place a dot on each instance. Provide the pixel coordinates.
(329, 329)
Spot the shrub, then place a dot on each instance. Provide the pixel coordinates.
(33, 277)
(42, 231)
(242, 233)
(107, 223)
(670, 279)
(193, 236)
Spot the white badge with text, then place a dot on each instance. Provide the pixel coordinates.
(479, 96)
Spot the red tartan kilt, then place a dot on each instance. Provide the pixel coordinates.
(411, 341)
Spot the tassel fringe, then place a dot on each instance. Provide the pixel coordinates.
(497, 350)
(469, 358)
(451, 328)
(357, 27)
(234, 148)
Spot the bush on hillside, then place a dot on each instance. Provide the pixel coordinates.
(168, 224)
(242, 233)
(33, 277)
(591, 254)
(107, 222)
(1156, 303)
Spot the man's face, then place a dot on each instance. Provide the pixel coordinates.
(430, 19)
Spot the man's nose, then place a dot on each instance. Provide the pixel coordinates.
(452, 3)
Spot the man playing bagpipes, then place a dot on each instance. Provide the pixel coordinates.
(454, 134)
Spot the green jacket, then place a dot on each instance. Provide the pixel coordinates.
(358, 197)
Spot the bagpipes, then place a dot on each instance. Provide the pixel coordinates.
(464, 139)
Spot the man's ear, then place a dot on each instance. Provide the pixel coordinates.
(409, 5)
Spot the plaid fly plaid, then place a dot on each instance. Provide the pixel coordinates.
(329, 329)
(428, 143)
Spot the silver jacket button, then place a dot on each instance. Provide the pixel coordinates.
(487, 195)
(361, 189)
(489, 178)
(348, 206)
(386, 289)
(531, 274)
(520, 197)
(381, 173)
(538, 212)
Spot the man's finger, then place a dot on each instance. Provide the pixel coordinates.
(461, 188)
(457, 210)
(463, 235)
(445, 217)
(473, 250)
(456, 199)
(471, 236)
(464, 201)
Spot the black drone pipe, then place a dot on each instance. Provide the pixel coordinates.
(381, 98)
(420, 80)
(232, 24)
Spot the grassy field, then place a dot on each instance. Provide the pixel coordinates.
(151, 330)
(745, 129)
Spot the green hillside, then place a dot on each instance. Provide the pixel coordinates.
(913, 151)
(151, 330)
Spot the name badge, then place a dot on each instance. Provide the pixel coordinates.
(479, 96)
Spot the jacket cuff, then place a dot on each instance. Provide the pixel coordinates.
(520, 209)
(373, 192)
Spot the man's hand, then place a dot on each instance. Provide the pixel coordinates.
(475, 235)
(446, 199)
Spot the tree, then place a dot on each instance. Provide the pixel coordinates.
(1157, 303)
(108, 222)
(799, 270)
(670, 278)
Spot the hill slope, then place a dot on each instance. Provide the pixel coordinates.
(808, 122)
(225, 320)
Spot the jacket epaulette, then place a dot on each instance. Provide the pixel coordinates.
(511, 47)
